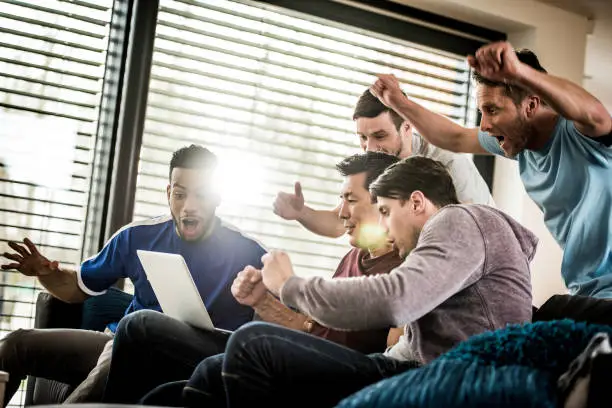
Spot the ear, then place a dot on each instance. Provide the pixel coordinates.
(168, 188)
(418, 201)
(406, 127)
(532, 105)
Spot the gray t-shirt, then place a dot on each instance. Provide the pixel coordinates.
(468, 273)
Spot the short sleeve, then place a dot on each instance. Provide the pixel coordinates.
(489, 143)
(101, 271)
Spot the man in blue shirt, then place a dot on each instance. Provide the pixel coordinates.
(214, 253)
(559, 134)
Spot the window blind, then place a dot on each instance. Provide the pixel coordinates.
(271, 91)
(52, 57)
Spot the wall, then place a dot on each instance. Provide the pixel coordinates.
(559, 38)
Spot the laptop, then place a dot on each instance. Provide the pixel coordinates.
(175, 289)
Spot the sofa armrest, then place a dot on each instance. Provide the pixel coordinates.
(52, 313)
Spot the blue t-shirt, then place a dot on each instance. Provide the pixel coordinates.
(570, 179)
(213, 263)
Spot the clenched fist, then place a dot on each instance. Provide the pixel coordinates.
(387, 90)
(248, 288)
(497, 62)
(276, 271)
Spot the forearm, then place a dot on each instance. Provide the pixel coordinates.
(567, 99)
(63, 285)
(347, 303)
(438, 129)
(273, 311)
(321, 222)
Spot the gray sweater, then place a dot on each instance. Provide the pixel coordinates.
(469, 273)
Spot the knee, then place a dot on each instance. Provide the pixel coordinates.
(11, 345)
(135, 327)
(253, 334)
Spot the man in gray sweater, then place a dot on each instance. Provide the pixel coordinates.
(466, 271)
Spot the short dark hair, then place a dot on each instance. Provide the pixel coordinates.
(369, 106)
(193, 157)
(416, 174)
(516, 93)
(371, 163)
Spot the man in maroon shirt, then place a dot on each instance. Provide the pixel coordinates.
(143, 339)
(371, 254)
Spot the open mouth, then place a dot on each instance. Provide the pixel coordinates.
(349, 229)
(190, 224)
(500, 139)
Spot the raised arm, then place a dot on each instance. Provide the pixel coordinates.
(60, 282)
(322, 222)
(435, 128)
(449, 257)
(499, 62)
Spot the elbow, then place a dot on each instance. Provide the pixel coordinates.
(598, 121)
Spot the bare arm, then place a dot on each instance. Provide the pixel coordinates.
(273, 311)
(61, 283)
(569, 100)
(322, 222)
(499, 62)
(435, 128)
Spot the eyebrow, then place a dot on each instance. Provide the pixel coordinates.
(177, 185)
(346, 194)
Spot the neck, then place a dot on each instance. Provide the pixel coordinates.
(380, 251)
(543, 126)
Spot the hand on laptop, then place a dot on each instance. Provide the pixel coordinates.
(248, 288)
(276, 271)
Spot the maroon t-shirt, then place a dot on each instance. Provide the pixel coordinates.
(358, 263)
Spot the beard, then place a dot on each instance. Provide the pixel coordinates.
(520, 136)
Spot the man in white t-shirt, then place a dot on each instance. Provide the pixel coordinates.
(381, 129)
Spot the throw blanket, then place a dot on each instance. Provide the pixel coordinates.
(515, 366)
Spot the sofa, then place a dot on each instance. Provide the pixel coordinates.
(51, 313)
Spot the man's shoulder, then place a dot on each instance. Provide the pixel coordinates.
(235, 236)
(146, 226)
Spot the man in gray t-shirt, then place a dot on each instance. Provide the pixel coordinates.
(466, 271)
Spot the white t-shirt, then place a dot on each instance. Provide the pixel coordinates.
(470, 187)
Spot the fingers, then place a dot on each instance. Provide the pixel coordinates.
(11, 266)
(13, 257)
(298, 189)
(245, 282)
(18, 248)
(31, 246)
(251, 274)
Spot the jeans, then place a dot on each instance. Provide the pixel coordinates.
(66, 355)
(269, 365)
(152, 349)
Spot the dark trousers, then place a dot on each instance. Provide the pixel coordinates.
(269, 365)
(151, 349)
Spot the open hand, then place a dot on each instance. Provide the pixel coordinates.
(28, 260)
